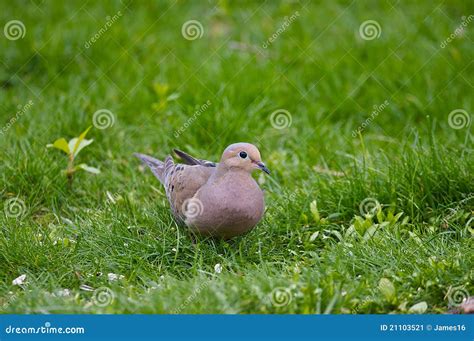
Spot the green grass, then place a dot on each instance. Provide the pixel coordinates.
(320, 70)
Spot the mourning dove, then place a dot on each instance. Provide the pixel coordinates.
(218, 199)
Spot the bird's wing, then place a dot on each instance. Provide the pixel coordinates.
(190, 160)
(182, 182)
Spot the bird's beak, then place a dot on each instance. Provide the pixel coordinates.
(262, 166)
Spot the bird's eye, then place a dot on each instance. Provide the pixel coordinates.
(243, 155)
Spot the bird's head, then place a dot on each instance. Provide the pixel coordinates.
(243, 156)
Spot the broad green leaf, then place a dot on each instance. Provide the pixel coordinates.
(337, 234)
(379, 214)
(82, 144)
(314, 236)
(304, 218)
(387, 289)
(359, 225)
(350, 231)
(395, 218)
(314, 210)
(72, 143)
(367, 223)
(79, 140)
(161, 89)
(369, 233)
(89, 169)
(418, 308)
(60, 144)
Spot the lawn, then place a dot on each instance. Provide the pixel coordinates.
(361, 110)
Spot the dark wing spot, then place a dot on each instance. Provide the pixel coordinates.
(209, 164)
(172, 188)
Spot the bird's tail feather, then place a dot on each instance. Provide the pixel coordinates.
(156, 166)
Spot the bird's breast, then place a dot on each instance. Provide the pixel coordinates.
(229, 207)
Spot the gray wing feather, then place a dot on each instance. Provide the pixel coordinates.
(181, 181)
(190, 160)
(156, 166)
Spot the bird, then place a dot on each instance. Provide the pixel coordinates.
(213, 199)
